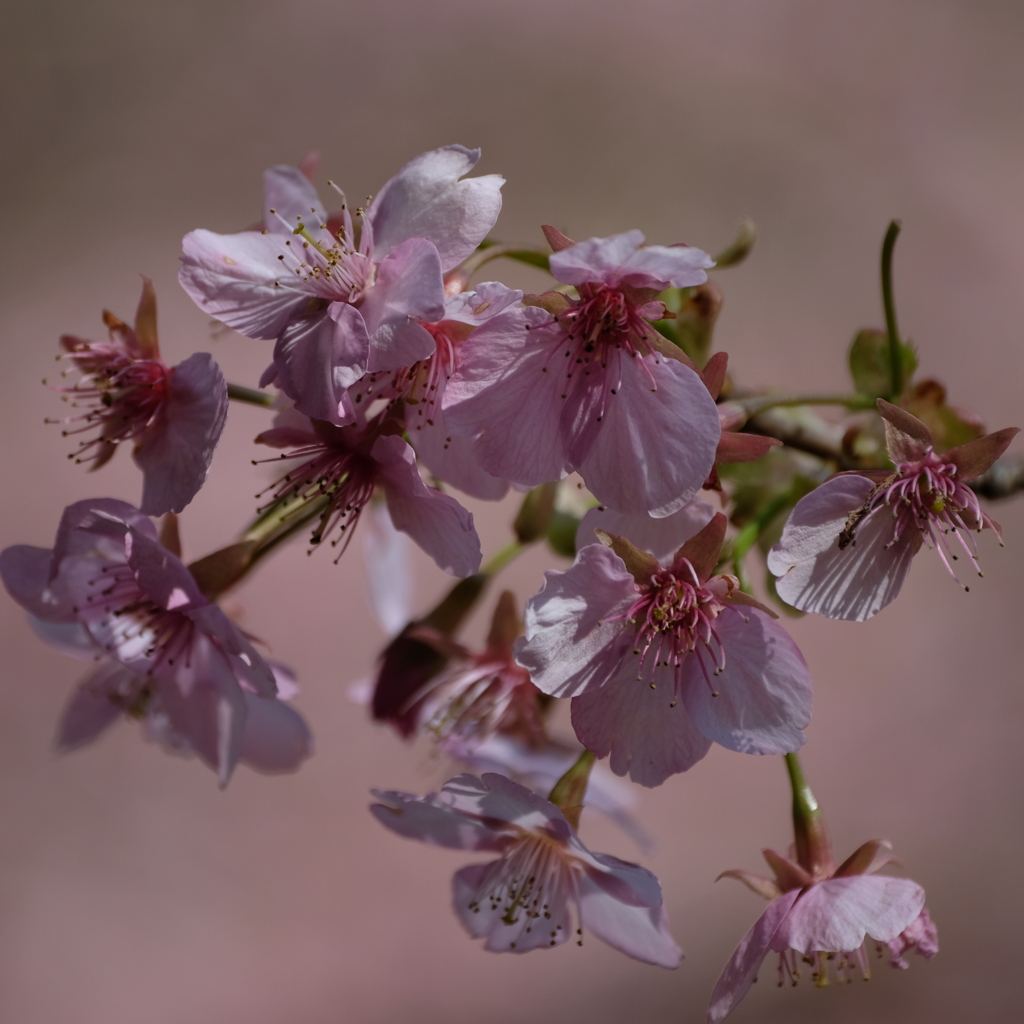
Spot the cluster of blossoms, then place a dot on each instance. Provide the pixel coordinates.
(395, 377)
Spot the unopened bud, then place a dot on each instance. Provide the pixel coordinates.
(695, 321)
(740, 248)
(535, 513)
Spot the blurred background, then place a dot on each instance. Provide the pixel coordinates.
(131, 888)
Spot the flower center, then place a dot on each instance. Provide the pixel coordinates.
(926, 496)
(674, 616)
(604, 315)
(118, 395)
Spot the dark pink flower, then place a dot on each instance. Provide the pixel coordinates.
(823, 919)
(589, 385)
(848, 545)
(110, 582)
(525, 900)
(338, 302)
(347, 465)
(663, 661)
(172, 415)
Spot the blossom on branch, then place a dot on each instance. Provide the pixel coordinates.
(661, 661)
(340, 301)
(826, 918)
(172, 415)
(589, 385)
(546, 887)
(847, 546)
(344, 466)
(109, 580)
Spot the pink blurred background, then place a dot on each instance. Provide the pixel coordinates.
(131, 889)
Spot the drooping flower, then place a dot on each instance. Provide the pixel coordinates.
(825, 917)
(421, 387)
(476, 695)
(109, 575)
(589, 385)
(172, 415)
(340, 302)
(346, 466)
(546, 887)
(848, 545)
(663, 661)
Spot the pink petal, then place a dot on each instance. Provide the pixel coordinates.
(90, 711)
(743, 965)
(318, 357)
(836, 915)
(571, 646)
(483, 303)
(288, 192)
(25, 571)
(639, 727)
(764, 691)
(660, 537)
(976, 457)
(502, 390)
(597, 259)
(906, 437)
(276, 738)
(389, 581)
(160, 575)
(651, 450)
(175, 451)
(426, 199)
(238, 280)
(638, 931)
(855, 582)
(246, 664)
(454, 459)
(430, 821)
(71, 639)
(436, 521)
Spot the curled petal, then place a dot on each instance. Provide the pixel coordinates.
(661, 537)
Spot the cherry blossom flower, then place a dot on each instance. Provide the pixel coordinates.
(172, 415)
(526, 899)
(825, 917)
(348, 464)
(589, 385)
(421, 387)
(477, 695)
(848, 545)
(663, 661)
(340, 302)
(109, 578)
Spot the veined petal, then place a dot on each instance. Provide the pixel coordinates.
(836, 915)
(763, 696)
(455, 460)
(239, 280)
(649, 446)
(855, 582)
(436, 521)
(175, 452)
(646, 731)
(576, 633)
(743, 965)
(426, 199)
(596, 259)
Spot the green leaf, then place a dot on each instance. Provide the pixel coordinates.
(869, 363)
(534, 259)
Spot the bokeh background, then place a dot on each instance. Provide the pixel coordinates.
(131, 889)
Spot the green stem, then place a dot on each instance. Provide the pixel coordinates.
(813, 852)
(250, 396)
(760, 403)
(498, 562)
(523, 253)
(889, 303)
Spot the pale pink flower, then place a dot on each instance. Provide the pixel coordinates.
(659, 537)
(173, 416)
(589, 385)
(338, 302)
(847, 546)
(546, 887)
(663, 661)
(348, 464)
(827, 919)
(108, 578)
